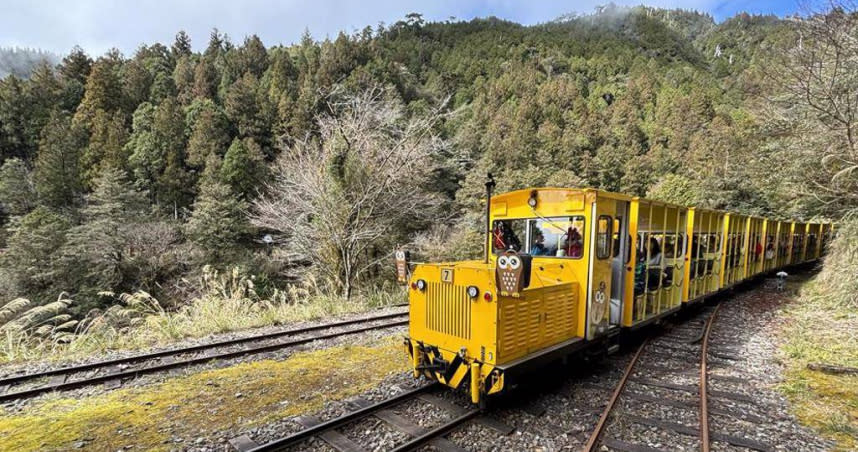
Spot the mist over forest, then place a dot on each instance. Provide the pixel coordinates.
(21, 62)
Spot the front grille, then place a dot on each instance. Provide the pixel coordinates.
(448, 309)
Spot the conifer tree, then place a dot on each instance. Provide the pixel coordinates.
(100, 241)
(31, 256)
(209, 135)
(57, 172)
(106, 146)
(103, 88)
(218, 220)
(243, 167)
(205, 79)
(248, 110)
(17, 192)
(181, 46)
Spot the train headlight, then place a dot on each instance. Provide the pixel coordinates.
(421, 285)
(473, 291)
(531, 201)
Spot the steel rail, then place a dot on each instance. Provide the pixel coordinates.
(704, 400)
(176, 351)
(436, 432)
(302, 435)
(206, 357)
(593, 442)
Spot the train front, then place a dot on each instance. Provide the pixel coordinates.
(452, 329)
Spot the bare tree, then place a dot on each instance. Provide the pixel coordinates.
(345, 199)
(817, 112)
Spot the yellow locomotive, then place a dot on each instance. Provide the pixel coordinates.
(572, 269)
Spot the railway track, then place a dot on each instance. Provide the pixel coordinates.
(114, 371)
(660, 366)
(330, 431)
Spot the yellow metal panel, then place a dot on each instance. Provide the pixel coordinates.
(539, 318)
(574, 202)
(689, 235)
(629, 295)
(725, 232)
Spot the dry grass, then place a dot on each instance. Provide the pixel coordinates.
(823, 327)
(228, 302)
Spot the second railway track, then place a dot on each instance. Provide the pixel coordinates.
(661, 365)
(114, 371)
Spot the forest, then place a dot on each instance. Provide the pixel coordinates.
(300, 168)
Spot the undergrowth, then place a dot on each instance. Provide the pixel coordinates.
(823, 328)
(227, 302)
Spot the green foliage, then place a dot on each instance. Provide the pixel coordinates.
(17, 192)
(243, 167)
(676, 189)
(58, 178)
(31, 260)
(218, 220)
(98, 249)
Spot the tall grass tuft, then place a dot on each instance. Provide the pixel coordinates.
(837, 283)
(226, 301)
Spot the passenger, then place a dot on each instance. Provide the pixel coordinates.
(505, 238)
(573, 245)
(758, 251)
(538, 248)
(770, 251)
(655, 255)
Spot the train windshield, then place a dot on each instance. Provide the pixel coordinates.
(555, 236)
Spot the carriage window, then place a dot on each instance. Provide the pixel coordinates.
(603, 237)
(508, 235)
(618, 228)
(557, 236)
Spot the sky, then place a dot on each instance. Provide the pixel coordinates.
(98, 25)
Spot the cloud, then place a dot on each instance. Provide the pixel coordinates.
(98, 25)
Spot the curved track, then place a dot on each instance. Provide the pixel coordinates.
(600, 438)
(114, 371)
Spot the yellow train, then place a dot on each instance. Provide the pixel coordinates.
(572, 269)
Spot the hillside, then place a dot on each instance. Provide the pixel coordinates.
(124, 173)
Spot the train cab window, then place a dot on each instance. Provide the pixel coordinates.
(557, 236)
(603, 237)
(508, 235)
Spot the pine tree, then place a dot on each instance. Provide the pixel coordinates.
(205, 79)
(57, 174)
(17, 192)
(218, 220)
(76, 66)
(243, 167)
(103, 88)
(14, 140)
(31, 255)
(248, 110)
(183, 79)
(254, 57)
(209, 135)
(144, 156)
(162, 88)
(182, 45)
(106, 146)
(100, 241)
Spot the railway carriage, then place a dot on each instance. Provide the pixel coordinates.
(572, 270)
